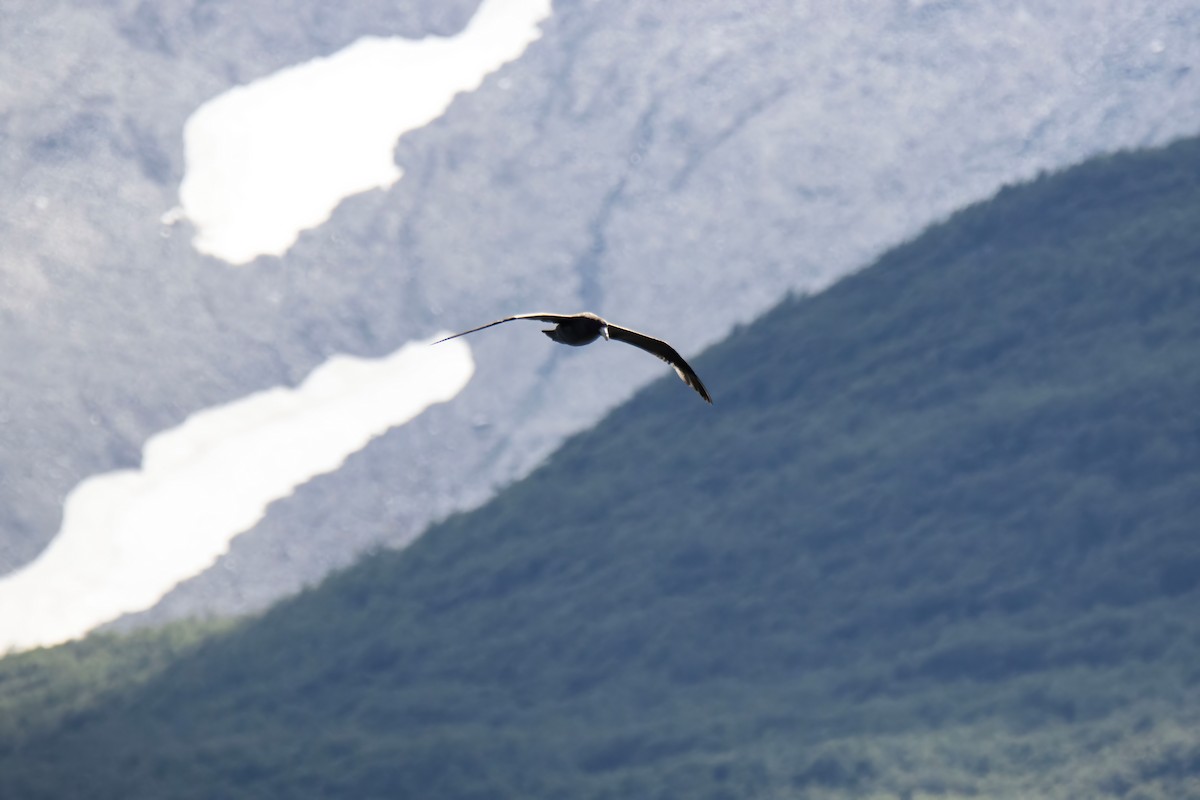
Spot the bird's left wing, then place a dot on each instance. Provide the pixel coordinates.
(539, 316)
(664, 351)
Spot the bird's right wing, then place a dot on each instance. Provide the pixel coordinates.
(664, 351)
(555, 318)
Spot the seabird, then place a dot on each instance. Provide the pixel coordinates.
(585, 328)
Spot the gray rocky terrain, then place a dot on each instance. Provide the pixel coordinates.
(678, 168)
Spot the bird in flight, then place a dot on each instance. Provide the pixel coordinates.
(580, 329)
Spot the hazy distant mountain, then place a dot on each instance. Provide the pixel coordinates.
(686, 164)
(938, 539)
(112, 327)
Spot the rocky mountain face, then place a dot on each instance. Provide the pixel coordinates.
(678, 169)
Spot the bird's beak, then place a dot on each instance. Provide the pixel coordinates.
(604, 332)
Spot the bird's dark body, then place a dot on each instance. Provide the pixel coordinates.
(578, 331)
(585, 328)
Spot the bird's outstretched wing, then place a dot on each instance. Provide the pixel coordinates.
(555, 318)
(664, 351)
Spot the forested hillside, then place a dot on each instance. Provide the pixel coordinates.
(938, 535)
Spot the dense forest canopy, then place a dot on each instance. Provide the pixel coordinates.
(937, 535)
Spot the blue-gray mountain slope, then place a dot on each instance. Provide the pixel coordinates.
(937, 537)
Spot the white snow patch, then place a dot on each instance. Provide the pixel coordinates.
(270, 159)
(128, 537)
